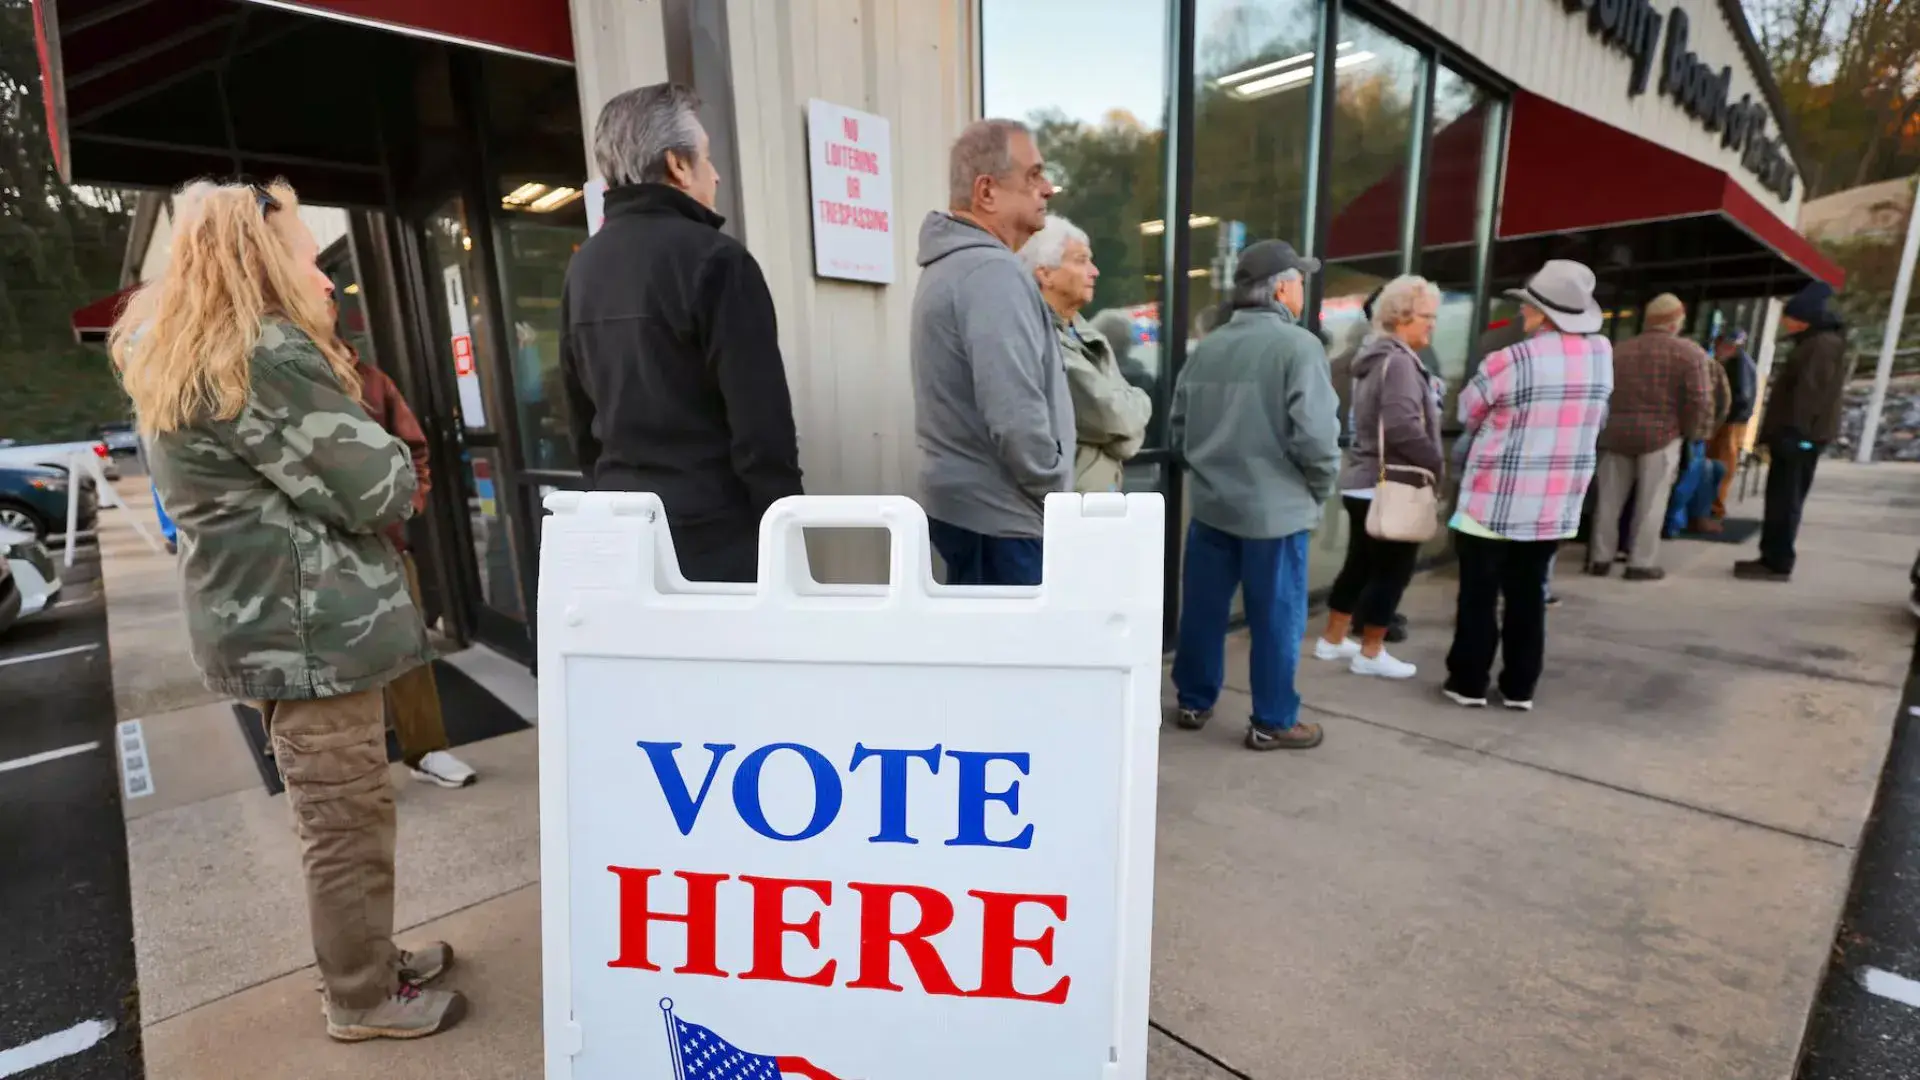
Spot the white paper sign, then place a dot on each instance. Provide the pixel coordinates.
(851, 155)
(894, 832)
(466, 376)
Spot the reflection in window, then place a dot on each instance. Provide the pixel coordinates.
(1459, 207)
(1378, 94)
(1089, 77)
(1253, 137)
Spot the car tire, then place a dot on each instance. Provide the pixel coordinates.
(16, 516)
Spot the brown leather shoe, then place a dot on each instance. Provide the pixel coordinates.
(1304, 735)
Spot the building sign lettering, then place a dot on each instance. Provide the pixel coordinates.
(1634, 28)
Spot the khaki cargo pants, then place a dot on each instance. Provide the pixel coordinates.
(332, 755)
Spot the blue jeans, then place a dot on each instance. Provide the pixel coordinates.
(976, 559)
(1272, 575)
(166, 523)
(1694, 492)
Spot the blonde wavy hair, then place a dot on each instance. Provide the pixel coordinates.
(184, 342)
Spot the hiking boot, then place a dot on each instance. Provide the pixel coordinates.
(410, 1012)
(1304, 735)
(1191, 719)
(1757, 570)
(1599, 569)
(421, 966)
(1645, 573)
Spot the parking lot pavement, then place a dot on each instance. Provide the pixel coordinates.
(67, 967)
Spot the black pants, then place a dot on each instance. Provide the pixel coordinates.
(1491, 570)
(718, 552)
(1789, 478)
(1376, 572)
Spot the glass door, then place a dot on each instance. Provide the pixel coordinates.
(466, 354)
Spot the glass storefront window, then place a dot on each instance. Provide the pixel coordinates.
(1089, 77)
(1253, 138)
(533, 115)
(1459, 207)
(1379, 92)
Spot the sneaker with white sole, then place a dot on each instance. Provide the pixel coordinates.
(1518, 706)
(1323, 649)
(419, 966)
(411, 1012)
(440, 767)
(1465, 701)
(1383, 666)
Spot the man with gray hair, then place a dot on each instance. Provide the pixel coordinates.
(1256, 424)
(992, 410)
(670, 353)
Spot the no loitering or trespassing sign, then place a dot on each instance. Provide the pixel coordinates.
(866, 832)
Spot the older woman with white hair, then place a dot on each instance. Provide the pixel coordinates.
(1396, 422)
(1110, 414)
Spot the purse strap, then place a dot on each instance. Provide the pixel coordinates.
(1380, 422)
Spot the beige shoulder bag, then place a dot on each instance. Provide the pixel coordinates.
(1401, 511)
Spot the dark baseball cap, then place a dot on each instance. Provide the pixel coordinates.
(1270, 257)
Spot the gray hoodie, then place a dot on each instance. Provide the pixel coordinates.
(992, 412)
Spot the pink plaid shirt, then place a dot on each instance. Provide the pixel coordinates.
(1532, 414)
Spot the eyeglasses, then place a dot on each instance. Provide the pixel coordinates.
(265, 197)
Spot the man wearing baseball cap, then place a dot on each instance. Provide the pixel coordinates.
(1256, 424)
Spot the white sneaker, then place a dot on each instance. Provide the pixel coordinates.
(440, 767)
(1518, 706)
(1327, 650)
(1383, 666)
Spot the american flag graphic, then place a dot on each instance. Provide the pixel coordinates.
(699, 1054)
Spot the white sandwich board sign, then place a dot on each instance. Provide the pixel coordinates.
(830, 832)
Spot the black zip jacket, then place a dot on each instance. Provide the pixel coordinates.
(1810, 389)
(672, 366)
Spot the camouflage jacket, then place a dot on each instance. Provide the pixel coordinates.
(291, 591)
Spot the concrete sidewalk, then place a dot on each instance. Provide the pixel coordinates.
(1641, 878)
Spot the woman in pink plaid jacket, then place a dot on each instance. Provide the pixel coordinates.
(1532, 414)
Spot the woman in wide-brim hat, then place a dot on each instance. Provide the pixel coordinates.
(1532, 415)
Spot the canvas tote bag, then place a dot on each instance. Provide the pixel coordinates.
(1401, 511)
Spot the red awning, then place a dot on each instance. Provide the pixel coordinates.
(540, 28)
(93, 322)
(1567, 172)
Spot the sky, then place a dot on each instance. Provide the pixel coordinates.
(1083, 57)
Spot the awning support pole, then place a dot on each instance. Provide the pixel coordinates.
(1896, 317)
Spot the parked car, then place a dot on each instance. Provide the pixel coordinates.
(9, 597)
(33, 500)
(121, 438)
(34, 572)
(56, 455)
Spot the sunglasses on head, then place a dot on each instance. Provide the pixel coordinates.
(263, 196)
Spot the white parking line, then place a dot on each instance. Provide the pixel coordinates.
(1890, 986)
(53, 1047)
(41, 759)
(31, 657)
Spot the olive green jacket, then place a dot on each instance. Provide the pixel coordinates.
(291, 591)
(1110, 414)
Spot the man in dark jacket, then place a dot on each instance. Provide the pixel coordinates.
(1802, 416)
(670, 355)
(1731, 351)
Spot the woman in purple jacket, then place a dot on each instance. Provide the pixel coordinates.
(1395, 421)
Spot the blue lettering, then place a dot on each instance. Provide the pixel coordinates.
(974, 797)
(826, 792)
(685, 807)
(893, 788)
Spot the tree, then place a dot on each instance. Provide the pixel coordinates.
(1849, 74)
(60, 248)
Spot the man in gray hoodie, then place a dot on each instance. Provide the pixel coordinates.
(992, 411)
(1256, 424)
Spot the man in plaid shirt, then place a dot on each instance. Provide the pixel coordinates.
(1661, 394)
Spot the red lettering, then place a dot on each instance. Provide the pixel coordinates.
(850, 128)
(864, 218)
(853, 187)
(998, 944)
(877, 937)
(636, 917)
(770, 929)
